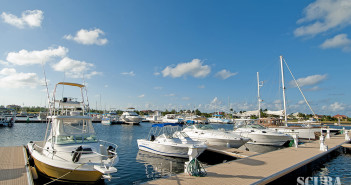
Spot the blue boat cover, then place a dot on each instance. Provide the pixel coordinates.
(166, 124)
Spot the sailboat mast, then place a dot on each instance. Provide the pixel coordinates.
(283, 86)
(258, 96)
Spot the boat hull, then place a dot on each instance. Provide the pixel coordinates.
(223, 142)
(272, 140)
(167, 150)
(76, 175)
(303, 133)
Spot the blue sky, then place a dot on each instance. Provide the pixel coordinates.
(178, 54)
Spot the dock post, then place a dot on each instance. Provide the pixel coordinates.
(323, 147)
(347, 138)
(296, 139)
(328, 133)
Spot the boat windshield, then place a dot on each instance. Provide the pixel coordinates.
(204, 127)
(75, 139)
(68, 131)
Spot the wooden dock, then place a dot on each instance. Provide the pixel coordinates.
(258, 169)
(13, 169)
(234, 152)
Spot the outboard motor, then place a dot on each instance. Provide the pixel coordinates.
(77, 154)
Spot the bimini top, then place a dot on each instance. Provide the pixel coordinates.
(166, 124)
(71, 84)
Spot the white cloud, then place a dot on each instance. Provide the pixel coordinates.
(30, 18)
(131, 73)
(201, 86)
(158, 88)
(25, 57)
(193, 68)
(170, 94)
(4, 63)
(75, 68)
(339, 41)
(88, 37)
(323, 15)
(224, 74)
(9, 78)
(106, 86)
(157, 73)
(141, 96)
(185, 98)
(309, 80)
(301, 102)
(315, 88)
(216, 101)
(337, 107)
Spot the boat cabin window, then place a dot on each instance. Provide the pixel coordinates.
(61, 140)
(204, 127)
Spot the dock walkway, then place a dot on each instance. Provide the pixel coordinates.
(13, 169)
(257, 169)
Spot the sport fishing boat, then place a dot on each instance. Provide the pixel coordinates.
(170, 141)
(211, 136)
(260, 134)
(71, 150)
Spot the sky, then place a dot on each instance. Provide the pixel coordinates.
(179, 54)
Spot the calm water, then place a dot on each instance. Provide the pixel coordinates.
(134, 166)
(337, 167)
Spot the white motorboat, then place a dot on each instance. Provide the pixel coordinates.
(165, 139)
(260, 134)
(303, 131)
(7, 117)
(218, 119)
(71, 150)
(171, 118)
(106, 120)
(131, 117)
(211, 136)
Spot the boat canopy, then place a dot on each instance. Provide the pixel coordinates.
(166, 124)
(218, 115)
(71, 84)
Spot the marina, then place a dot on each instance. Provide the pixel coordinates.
(175, 92)
(136, 168)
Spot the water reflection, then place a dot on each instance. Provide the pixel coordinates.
(158, 166)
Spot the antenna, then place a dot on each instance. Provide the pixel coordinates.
(47, 92)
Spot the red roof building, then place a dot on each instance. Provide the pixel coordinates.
(340, 116)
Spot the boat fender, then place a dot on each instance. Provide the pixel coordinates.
(77, 154)
(34, 172)
(110, 151)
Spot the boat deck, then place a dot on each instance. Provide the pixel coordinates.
(258, 169)
(13, 169)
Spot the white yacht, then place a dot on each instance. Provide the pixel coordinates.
(171, 118)
(131, 117)
(170, 141)
(71, 150)
(260, 134)
(218, 119)
(211, 136)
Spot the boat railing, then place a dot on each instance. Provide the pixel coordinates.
(111, 152)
